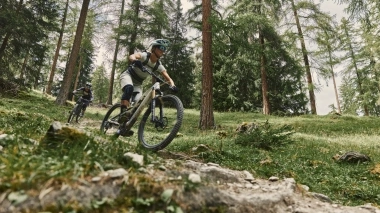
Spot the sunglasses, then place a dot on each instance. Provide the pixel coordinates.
(163, 48)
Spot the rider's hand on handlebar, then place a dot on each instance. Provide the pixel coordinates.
(174, 88)
(138, 64)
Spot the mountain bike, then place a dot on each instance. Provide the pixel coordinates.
(159, 124)
(76, 112)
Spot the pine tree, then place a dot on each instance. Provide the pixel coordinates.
(100, 84)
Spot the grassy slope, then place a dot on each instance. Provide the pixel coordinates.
(309, 159)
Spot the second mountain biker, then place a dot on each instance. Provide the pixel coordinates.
(86, 94)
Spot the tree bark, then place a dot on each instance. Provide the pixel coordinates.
(77, 78)
(264, 81)
(135, 27)
(206, 112)
(334, 82)
(112, 77)
(56, 55)
(306, 61)
(67, 78)
(358, 75)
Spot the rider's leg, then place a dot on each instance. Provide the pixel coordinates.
(126, 84)
(127, 94)
(83, 109)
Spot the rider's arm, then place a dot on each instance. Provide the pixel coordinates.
(77, 90)
(135, 56)
(167, 78)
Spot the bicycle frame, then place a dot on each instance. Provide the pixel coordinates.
(148, 96)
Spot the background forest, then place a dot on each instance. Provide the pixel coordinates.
(265, 55)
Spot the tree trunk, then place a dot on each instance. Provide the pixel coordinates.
(135, 27)
(112, 78)
(67, 78)
(359, 77)
(56, 55)
(264, 81)
(333, 78)
(36, 78)
(306, 61)
(77, 78)
(206, 113)
(23, 68)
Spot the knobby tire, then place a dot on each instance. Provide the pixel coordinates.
(72, 114)
(112, 116)
(157, 138)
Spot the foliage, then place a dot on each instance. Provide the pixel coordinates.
(305, 155)
(100, 84)
(178, 60)
(29, 41)
(237, 73)
(265, 136)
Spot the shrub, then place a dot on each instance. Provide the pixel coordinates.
(265, 136)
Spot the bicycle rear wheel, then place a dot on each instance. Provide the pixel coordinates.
(110, 123)
(72, 114)
(158, 133)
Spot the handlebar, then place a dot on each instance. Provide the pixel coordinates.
(144, 69)
(80, 98)
(158, 79)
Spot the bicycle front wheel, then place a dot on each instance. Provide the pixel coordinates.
(158, 131)
(110, 123)
(72, 114)
(78, 112)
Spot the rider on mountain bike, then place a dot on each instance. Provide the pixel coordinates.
(131, 79)
(87, 95)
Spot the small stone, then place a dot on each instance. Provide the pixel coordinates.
(117, 172)
(273, 179)
(135, 157)
(248, 176)
(213, 164)
(194, 178)
(162, 168)
(200, 148)
(322, 197)
(96, 179)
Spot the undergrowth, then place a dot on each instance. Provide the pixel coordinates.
(298, 147)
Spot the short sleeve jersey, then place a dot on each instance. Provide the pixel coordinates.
(149, 65)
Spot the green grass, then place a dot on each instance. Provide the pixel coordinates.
(307, 158)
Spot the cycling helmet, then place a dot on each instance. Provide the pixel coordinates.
(88, 85)
(162, 44)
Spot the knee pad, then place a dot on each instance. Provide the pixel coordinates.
(127, 92)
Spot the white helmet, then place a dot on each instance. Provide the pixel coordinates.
(161, 43)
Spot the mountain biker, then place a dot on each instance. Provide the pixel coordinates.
(131, 79)
(86, 94)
